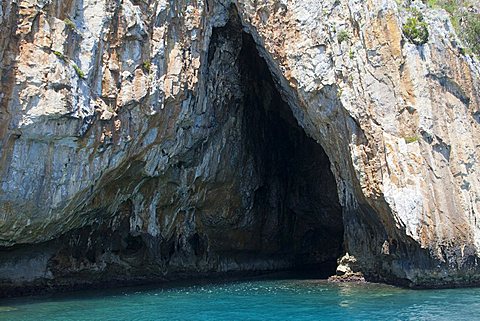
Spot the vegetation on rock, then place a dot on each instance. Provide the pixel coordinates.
(60, 55)
(342, 36)
(416, 29)
(411, 139)
(79, 71)
(465, 18)
(471, 33)
(65, 59)
(146, 65)
(70, 24)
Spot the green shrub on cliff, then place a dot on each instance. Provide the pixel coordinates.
(415, 29)
(471, 34)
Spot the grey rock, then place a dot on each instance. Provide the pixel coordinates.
(234, 136)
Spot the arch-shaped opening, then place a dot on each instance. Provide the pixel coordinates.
(298, 183)
(295, 206)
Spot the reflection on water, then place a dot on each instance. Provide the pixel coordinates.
(252, 300)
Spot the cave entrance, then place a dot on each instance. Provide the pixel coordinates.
(298, 199)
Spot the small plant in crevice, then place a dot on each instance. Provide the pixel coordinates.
(79, 71)
(339, 93)
(68, 61)
(60, 55)
(342, 36)
(416, 29)
(147, 65)
(70, 24)
(351, 54)
(466, 51)
(411, 139)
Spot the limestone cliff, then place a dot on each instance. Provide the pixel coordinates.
(142, 139)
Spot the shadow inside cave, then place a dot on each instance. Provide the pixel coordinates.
(298, 198)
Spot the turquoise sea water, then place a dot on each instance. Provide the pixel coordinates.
(252, 300)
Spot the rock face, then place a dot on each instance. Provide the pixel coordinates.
(149, 139)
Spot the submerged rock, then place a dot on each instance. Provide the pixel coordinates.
(146, 140)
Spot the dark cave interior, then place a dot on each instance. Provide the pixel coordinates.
(298, 198)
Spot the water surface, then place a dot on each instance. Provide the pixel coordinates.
(287, 299)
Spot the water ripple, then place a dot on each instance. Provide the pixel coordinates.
(252, 300)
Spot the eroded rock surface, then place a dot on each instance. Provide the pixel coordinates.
(145, 139)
